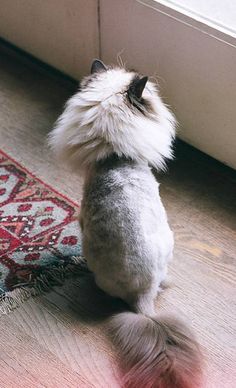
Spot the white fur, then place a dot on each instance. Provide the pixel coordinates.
(97, 122)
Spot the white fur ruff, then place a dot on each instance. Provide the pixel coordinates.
(97, 122)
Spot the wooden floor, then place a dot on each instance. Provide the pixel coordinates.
(59, 339)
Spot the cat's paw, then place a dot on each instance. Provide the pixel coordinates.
(166, 283)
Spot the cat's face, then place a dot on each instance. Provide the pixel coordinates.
(115, 111)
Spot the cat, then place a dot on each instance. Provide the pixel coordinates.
(114, 130)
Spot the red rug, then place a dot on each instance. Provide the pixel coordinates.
(39, 231)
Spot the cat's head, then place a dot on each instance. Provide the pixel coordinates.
(114, 111)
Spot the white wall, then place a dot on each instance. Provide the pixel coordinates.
(63, 33)
(222, 12)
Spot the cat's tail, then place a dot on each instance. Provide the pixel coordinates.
(156, 352)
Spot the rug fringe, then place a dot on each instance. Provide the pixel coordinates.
(45, 282)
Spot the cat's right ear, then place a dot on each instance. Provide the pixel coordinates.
(98, 66)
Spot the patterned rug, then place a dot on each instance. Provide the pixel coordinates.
(39, 235)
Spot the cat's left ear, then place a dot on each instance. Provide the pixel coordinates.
(137, 87)
(97, 66)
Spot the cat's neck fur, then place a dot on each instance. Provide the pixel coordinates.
(112, 162)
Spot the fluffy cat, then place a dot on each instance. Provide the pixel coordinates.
(114, 130)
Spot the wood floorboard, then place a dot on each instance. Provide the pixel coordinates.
(60, 339)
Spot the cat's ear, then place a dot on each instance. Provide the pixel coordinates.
(97, 66)
(137, 87)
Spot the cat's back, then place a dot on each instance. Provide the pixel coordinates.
(122, 197)
(125, 231)
(120, 185)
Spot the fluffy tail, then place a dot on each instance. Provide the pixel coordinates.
(156, 352)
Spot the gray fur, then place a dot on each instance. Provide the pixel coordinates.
(158, 352)
(126, 238)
